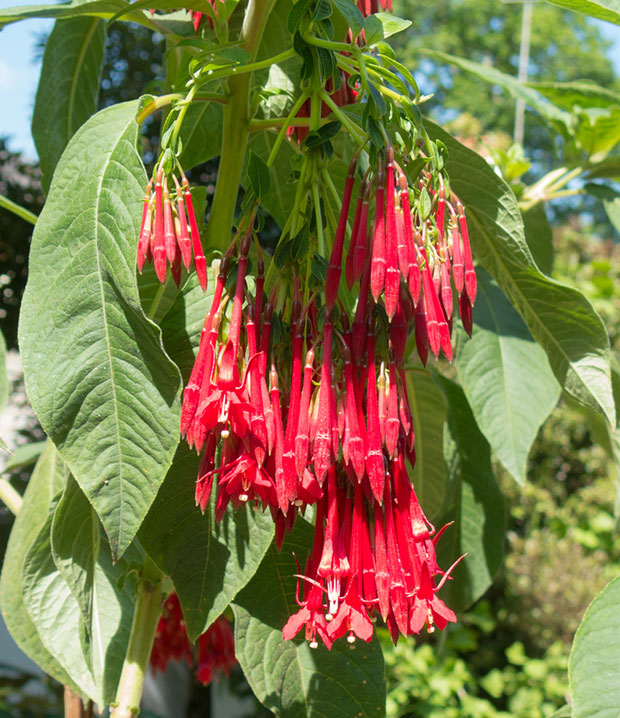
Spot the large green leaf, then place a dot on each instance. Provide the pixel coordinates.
(47, 480)
(559, 317)
(582, 93)
(96, 373)
(73, 590)
(201, 134)
(95, 8)
(54, 611)
(428, 408)
(289, 677)
(506, 378)
(539, 236)
(608, 10)
(68, 87)
(281, 196)
(511, 84)
(182, 324)
(207, 562)
(594, 664)
(475, 505)
(75, 543)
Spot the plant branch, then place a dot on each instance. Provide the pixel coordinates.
(236, 124)
(146, 615)
(282, 134)
(17, 209)
(10, 497)
(234, 70)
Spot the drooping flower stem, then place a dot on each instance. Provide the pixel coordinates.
(146, 615)
(236, 125)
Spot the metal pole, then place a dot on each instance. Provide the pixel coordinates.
(524, 59)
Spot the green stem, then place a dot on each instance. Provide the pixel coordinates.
(236, 123)
(356, 131)
(10, 497)
(17, 209)
(277, 122)
(282, 134)
(157, 104)
(236, 70)
(146, 615)
(182, 112)
(330, 44)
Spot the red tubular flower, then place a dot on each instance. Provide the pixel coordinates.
(171, 642)
(200, 263)
(216, 651)
(158, 246)
(470, 274)
(334, 268)
(377, 264)
(392, 271)
(355, 236)
(352, 616)
(322, 451)
(145, 228)
(302, 439)
(374, 452)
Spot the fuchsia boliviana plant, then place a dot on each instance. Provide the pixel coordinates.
(266, 363)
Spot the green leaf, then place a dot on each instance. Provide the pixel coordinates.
(156, 298)
(96, 373)
(280, 198)
(68, 87)
(82, 557)
(351, 14)
(288, 677)
(559, 317)
(583, 93)
(183, 322)
(476, 506)
(316, 138)
(76, 8)
(75, 546)
(207, 562)
(258, 174)
(428, 408)
(532, 97)
(539, 236)
(47, 480)
(506, 378)
(608, 10)
(382, 25)
(201, 134)
(25, 455)
(594, 663)
(564, 712)
(612, 208)
(106, 9)
(4, 379)
(299, 9)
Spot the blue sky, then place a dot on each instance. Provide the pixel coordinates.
(19, 75)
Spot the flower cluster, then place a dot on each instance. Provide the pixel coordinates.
(214, 651)
(169, 232)
(333, 426)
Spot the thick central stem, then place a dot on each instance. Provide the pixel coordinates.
(235, 131)
(146, 615)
